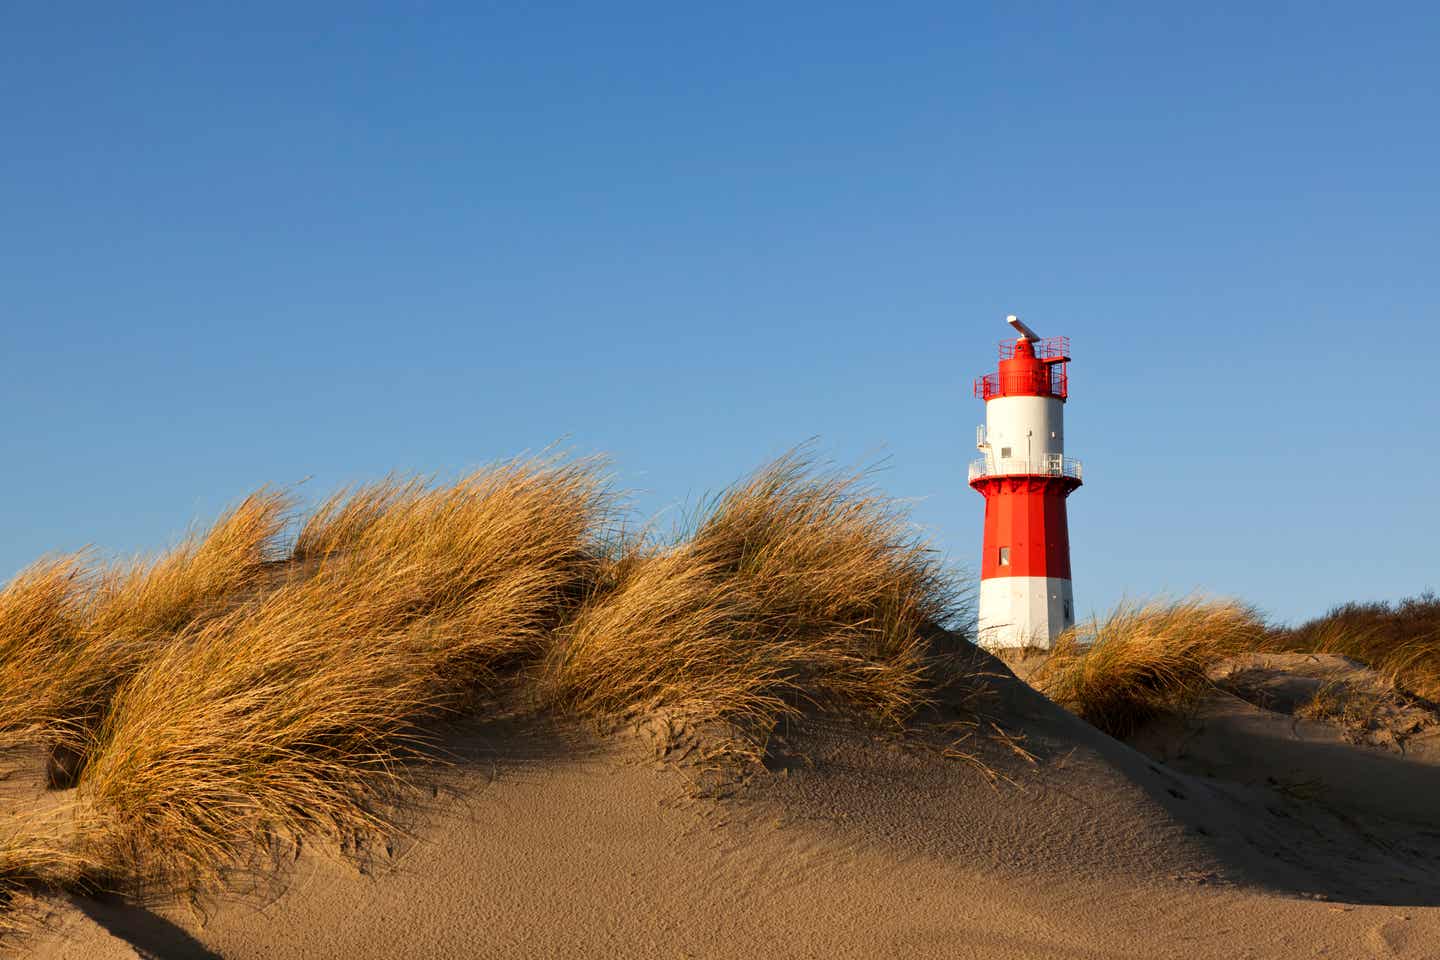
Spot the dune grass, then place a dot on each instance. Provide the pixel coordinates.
(1401, 640)
(1144, 659)
(71, 634)
(41, 617)
(138, 608)
(292, 715)
(230, 700)
(841, 574)
(668, 631)
(794, 587)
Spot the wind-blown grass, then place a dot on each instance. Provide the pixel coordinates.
(670, 631)
(843, 574)
(71, 634)
(795, 586)
(348, 517)
(1144, 659)
(41, 615)
(227, 700)
(291, 716)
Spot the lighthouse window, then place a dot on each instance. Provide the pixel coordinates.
(1004, 451)
(1004, 556)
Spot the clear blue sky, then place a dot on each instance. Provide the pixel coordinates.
(250, 243)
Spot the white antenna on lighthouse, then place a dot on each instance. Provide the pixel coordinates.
(1020, 328)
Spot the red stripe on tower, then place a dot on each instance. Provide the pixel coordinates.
(1026, 597)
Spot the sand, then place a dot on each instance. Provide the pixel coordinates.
(1237, 831)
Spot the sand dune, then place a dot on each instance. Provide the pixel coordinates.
(1237, 832)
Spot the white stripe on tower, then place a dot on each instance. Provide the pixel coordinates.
(1024, 611)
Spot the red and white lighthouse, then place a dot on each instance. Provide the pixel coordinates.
(1026, 599)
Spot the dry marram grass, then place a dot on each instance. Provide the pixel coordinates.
(1400, 640)
(70, 635)
(794, 586)
(1144, 659)
(291, 716)
(228, 701)
(41, 614)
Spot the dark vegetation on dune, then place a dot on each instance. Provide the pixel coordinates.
(271, 678)
(1400, 639)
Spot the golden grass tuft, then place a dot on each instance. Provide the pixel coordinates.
(794, 586)
(41, 615)
(143, 602)
(670, 631)
(348, 516)
(1144, 659)
(90, 631)
(292, 716)
(841, 572)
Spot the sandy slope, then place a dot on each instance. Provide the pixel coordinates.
(848, 845)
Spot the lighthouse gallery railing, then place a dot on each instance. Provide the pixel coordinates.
(1052, 465)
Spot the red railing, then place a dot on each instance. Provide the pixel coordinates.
(1047, 349)
(1053, 381)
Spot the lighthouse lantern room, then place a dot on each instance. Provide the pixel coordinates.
(1026, 599)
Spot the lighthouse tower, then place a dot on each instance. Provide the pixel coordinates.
(1025, 595)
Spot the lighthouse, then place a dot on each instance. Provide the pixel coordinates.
(1026, 599)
